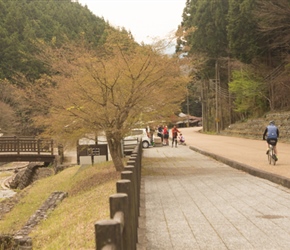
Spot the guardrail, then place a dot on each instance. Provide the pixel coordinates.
(120, 232)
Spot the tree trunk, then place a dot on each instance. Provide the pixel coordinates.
(114, 142)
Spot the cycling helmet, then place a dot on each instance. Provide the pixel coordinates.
(271, 123)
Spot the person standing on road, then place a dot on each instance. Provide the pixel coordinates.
(160, 132)
(271, 134)
(175, 132)
(165, 135)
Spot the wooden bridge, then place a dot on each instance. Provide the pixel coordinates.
(26, 149)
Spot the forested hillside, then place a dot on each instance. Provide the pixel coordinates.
(239, 50)
(23, 24)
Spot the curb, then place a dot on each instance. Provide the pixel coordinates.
(278, 179)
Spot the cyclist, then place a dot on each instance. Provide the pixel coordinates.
(271, 134)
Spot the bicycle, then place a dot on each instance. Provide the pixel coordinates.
(271, 155)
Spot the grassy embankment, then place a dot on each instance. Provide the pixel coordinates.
(71, 224)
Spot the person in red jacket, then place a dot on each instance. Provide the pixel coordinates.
(174, 132)
(165, 135)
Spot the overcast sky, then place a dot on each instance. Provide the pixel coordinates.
(146, 19)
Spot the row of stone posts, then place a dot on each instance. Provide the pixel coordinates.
(120, 232)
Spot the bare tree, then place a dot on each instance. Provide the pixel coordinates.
(111, 89)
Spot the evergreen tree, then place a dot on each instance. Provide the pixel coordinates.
(242, 30)
(204, 23)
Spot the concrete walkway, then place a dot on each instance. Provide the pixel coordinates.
(195, 202)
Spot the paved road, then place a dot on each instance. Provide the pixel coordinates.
(195, 202)
(250, 152)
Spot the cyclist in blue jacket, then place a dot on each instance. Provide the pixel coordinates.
(271, 134)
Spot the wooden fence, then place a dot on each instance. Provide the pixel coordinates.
(120, 232)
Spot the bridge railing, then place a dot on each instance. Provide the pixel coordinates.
(19, 145)
(120, 232)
